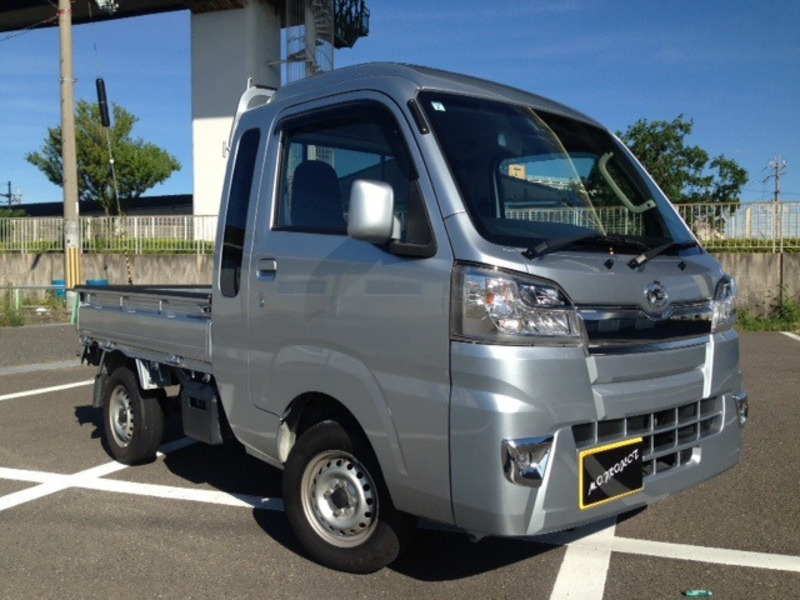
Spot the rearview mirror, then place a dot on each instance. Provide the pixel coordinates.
(371, 212)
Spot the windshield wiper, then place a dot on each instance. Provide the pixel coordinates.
(653, 252)
(552, 245)
(610, 241)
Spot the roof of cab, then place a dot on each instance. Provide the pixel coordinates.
(374, 76)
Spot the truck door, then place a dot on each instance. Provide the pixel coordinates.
(346, 320)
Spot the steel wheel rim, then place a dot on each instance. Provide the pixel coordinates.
(339, 499)
(120, 415)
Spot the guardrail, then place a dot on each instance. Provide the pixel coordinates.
(762, 227)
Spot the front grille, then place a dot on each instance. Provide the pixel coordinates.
(632, 326)
(670, 436)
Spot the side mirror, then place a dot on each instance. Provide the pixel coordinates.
(371, 212)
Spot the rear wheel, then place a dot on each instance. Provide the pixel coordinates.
(133, 421)
(338, 504)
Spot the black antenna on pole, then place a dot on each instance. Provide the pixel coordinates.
(102, 102)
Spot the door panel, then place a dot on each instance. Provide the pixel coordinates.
(345, 318)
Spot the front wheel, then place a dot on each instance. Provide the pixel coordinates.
(338, 504)
(133, 421)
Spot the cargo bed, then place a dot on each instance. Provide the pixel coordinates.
(167, 324)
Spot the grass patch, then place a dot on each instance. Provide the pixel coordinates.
(32, 309)
(784, 317)
(10, 315)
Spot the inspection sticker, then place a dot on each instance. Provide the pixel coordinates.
(610, 472)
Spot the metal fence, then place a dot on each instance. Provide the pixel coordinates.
(762, 227)
(612, 220)
(136, 235)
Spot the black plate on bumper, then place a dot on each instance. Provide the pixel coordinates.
(610, 472)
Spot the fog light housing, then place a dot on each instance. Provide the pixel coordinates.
(742, 408)
(525, 460)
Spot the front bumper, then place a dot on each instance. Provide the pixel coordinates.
(684, 406)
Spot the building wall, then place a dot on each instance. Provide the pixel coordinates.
(228, 47)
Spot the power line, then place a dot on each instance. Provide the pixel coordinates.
(30, 28)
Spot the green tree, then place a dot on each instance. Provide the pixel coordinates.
(139, 165)
(686, 173)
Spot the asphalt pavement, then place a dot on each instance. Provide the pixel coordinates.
(35, 346)
(207, 522)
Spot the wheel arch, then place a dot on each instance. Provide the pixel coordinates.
(307, 410)
(108, 362)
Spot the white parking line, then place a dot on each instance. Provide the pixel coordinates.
(583, 571)
(703, 554)
(92, 479)
(50, 482)
(62, 364)
(717, 556)
(585, 567)
(582, 574)
(177, 493)
(55, 388)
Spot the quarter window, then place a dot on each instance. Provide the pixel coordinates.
(236, 213)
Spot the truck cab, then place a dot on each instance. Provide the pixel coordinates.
(440, 297)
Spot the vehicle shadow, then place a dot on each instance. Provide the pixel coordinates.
(89, 415)
(436, 554)
(226, 467)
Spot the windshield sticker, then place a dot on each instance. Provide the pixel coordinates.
(438, 106)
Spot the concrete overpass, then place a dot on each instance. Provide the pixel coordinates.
(231, 41)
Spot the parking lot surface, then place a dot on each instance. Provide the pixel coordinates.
(208, 522)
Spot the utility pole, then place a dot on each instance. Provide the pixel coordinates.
(9, 195)
(778, 167)
(12, 197)
(72, 230)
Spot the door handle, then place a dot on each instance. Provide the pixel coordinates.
(266, 267)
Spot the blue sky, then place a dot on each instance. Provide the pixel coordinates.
(733, 66)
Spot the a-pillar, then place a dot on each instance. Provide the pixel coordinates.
(228, 47)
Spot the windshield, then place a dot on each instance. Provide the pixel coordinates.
(529, 177)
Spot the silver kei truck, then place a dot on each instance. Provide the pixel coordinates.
(437, 297)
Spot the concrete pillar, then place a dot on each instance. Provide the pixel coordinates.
(227, 47)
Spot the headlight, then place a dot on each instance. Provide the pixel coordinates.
(503, 307)
(724, 305)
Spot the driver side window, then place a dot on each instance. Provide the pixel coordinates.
(324, 153)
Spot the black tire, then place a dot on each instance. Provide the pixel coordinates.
(133, 421)
(337, 503)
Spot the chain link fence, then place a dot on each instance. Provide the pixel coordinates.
(762, 227)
